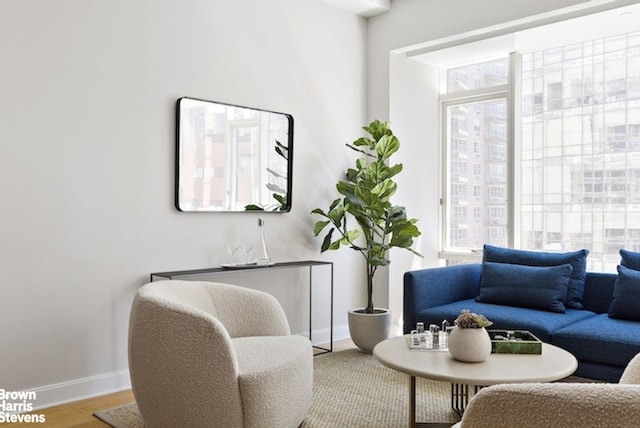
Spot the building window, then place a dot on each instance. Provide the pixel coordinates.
(578, 151)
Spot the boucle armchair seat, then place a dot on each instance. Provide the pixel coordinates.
(275, 386)
(566, 405)
(205, 354)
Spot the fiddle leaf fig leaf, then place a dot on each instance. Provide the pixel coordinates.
(385, 189)
(326, 243)
(336, 214)
(317, 228)
(362, 142)
(387, 146)
(335, 245)
(394, 170)
(352, 235)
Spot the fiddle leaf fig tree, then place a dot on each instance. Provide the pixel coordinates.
(366, 193)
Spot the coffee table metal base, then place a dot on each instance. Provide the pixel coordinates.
(461, 395)
(412, 409)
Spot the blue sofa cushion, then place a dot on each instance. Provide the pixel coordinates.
(630, 259)
(626, 295)
(600, 339)
(598, 291)
(577, 259)
(541, 323)
(536, 287)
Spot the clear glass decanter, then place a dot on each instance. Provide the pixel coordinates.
(261, 253)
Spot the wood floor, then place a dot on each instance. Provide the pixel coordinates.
(80, 413)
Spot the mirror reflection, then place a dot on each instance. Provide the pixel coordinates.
(232, 158)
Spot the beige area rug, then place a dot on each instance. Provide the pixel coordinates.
(350, 389)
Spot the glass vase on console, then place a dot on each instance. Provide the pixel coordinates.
(261, 253)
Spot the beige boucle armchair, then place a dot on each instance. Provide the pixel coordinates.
(560, 404)
(204, 354)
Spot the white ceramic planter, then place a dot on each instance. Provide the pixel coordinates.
(367, 330)
(470, 345)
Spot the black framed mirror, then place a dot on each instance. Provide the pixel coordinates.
(231, 158)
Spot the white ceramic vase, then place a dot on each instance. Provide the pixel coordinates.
(470, 345)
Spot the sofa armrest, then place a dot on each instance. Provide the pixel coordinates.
(564, 405)
(425, 288)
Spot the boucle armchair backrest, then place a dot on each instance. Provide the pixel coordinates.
(180, 357)
(242, 311)
(631, 374)
(558, 404)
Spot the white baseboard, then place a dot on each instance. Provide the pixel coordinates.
(80, 389)
(322, 336)
(341, 332)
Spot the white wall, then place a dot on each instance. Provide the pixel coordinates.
(88, 89)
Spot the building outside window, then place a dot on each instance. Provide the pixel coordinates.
(576, 183)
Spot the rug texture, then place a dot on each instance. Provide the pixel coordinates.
(350, 389)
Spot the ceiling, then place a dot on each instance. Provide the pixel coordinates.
(366, 8)
(589, 27)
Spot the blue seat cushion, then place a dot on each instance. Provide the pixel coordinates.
(535, 287)
(577, 259)
(603, 372)
(600, 339)
(542, 324)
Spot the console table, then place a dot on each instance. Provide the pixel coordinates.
(310, 264)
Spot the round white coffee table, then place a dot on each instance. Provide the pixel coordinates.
(553, 364)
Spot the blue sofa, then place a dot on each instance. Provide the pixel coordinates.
(603, 345)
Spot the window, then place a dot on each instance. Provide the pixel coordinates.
(485, 141)
(576, 183)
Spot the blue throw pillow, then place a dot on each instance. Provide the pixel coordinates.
(577, 260)
(626, 295)
(630, 259)
(535, 287)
